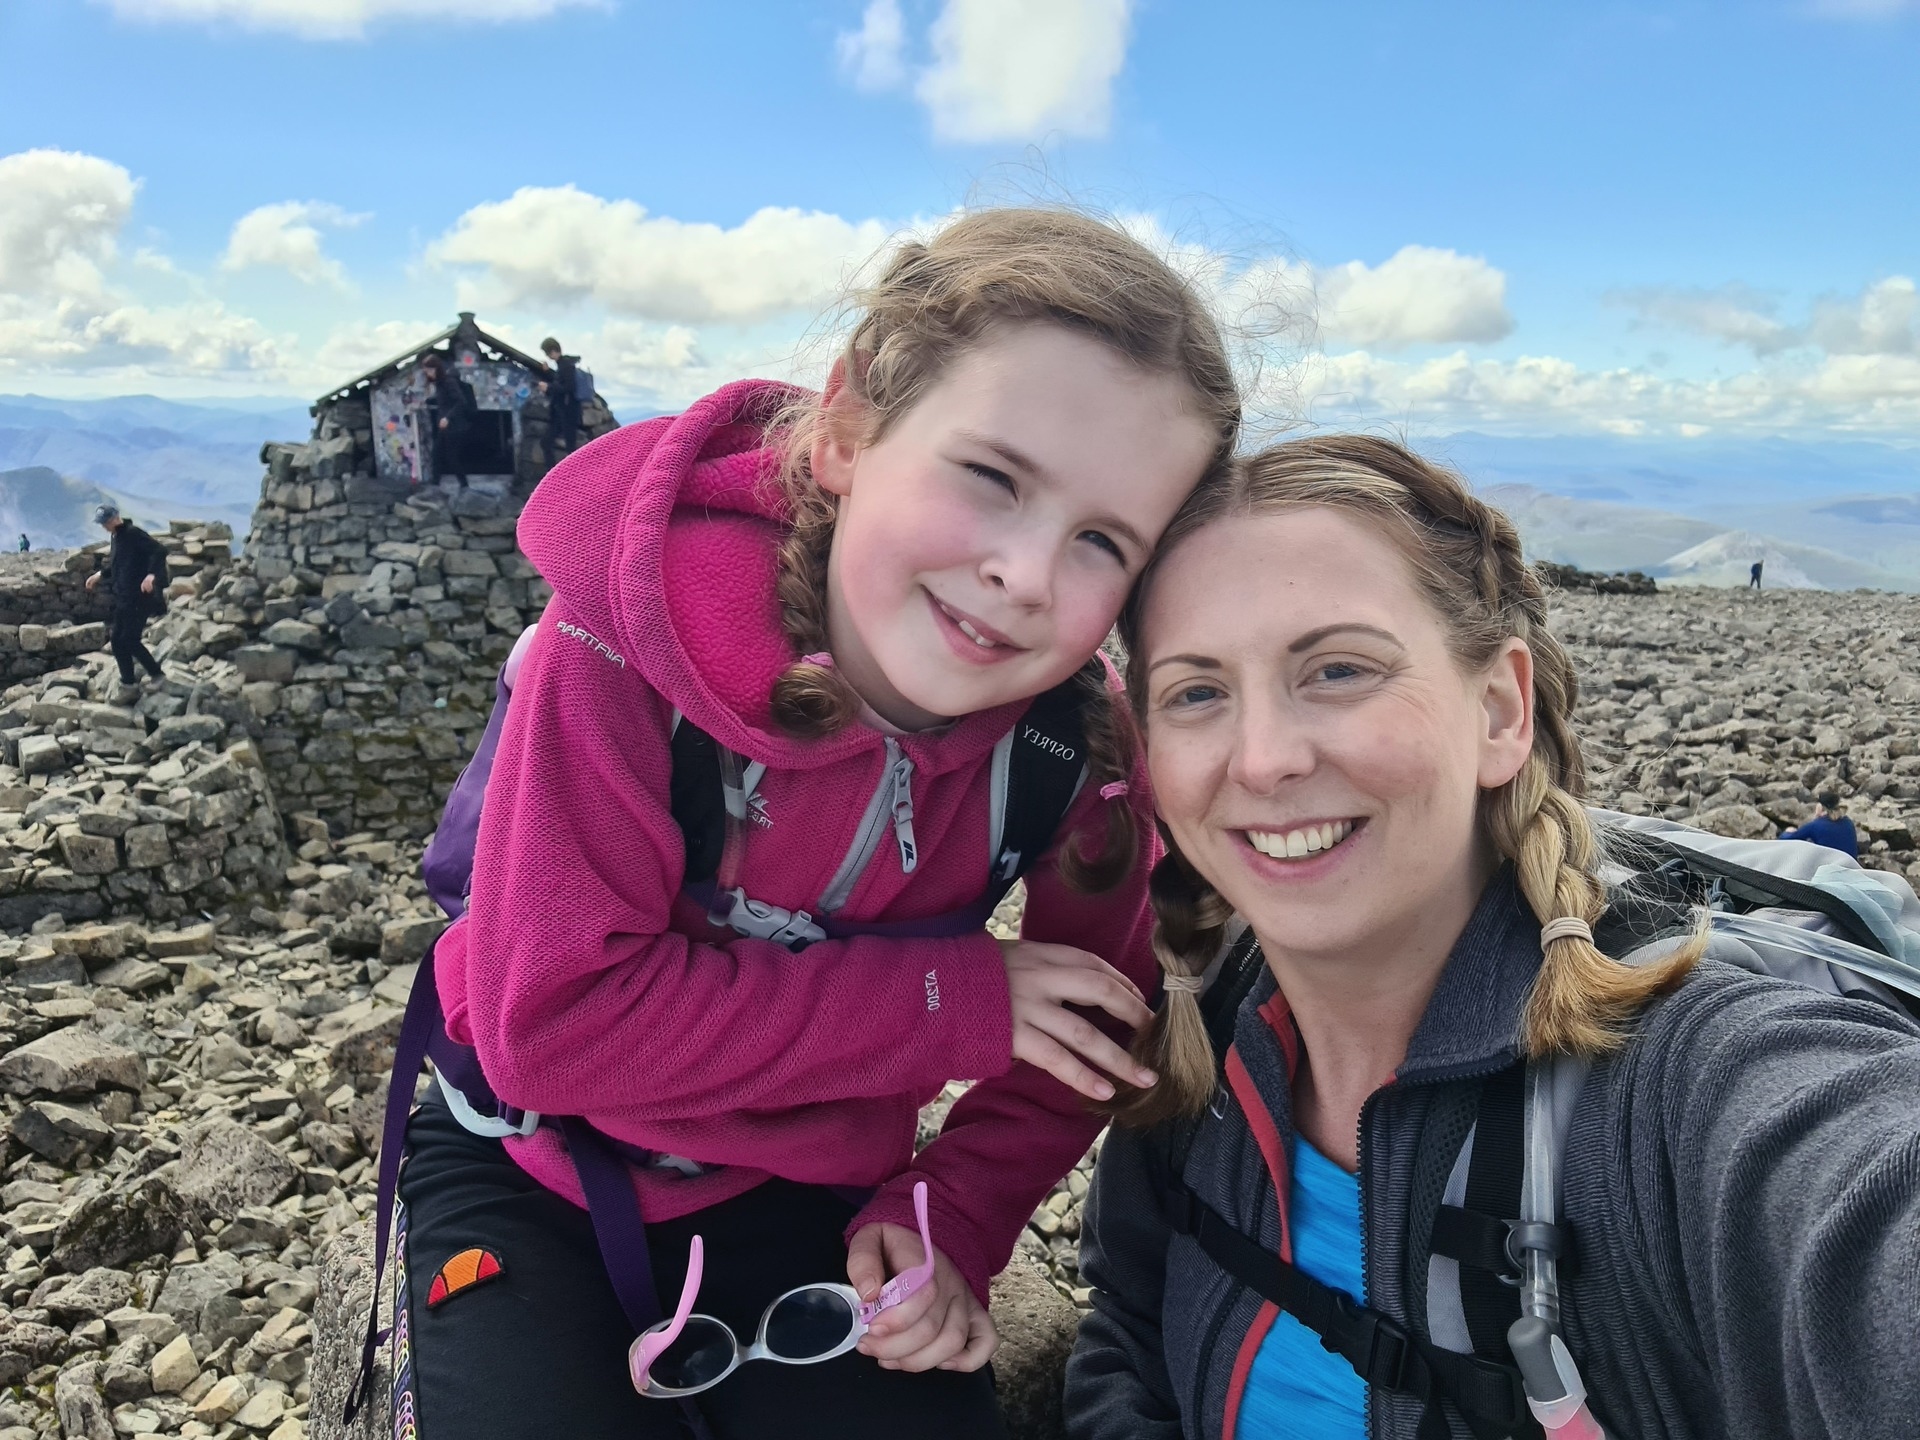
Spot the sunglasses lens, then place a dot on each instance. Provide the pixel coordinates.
(699, 1355)
(809, 1323)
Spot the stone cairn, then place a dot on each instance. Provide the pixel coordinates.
(210, 912)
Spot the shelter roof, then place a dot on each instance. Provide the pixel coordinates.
(463, 331)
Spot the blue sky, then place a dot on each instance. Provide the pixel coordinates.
(1679, 220)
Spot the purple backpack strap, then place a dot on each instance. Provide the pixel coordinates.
(417, 1028)
(447, 867)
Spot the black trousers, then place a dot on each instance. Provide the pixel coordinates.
(563, 428)
(541, 1351)
(129, 621)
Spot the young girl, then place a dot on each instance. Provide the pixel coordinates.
(860, 591)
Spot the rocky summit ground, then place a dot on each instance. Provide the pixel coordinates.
(191, 1061)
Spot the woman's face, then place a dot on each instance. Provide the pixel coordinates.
(1316, 752)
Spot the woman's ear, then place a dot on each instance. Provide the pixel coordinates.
(836, 446)
(1507, 698)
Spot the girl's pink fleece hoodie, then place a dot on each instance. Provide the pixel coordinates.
(591, 986)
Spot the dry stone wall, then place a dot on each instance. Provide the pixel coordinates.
(367, 629)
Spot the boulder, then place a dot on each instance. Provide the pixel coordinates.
(404, 941)
(265, 662)
(41, 754)
(60, 1133)
(1037, 1325)
(225, 1167)
(190, 1288)
(70, 1299)
(82, 1408)
(118, 1228)
(339, 1322)
(1741, 822)
(177, 730)
(71, 1062)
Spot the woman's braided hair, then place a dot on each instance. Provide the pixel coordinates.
(934, 300)
(1466, 559)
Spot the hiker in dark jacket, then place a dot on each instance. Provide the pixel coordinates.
(1358, 731)
(1829, 827)
(563, 400)
(453, 409)
(134, 564)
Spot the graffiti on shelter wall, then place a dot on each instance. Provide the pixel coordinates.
(400, 418)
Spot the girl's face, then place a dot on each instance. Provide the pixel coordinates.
(1316, 751)
(986, 542)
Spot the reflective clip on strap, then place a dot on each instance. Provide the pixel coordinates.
(506, 1121)
(760, 921)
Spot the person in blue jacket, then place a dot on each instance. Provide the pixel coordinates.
(1830, 827)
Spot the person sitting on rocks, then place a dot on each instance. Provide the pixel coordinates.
(850, 603)
(1829, 827)
(134, 563)
(1358, 727)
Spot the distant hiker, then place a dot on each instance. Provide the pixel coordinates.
(454, 410)
(25, 544)
(563, 399)
(135, 563)
(1830, 827)
(1753, 575)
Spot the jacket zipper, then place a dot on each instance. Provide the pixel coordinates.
(892, 797)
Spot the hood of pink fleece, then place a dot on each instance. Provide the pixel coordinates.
(661, 539)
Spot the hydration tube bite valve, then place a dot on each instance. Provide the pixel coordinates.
(1555, 1392)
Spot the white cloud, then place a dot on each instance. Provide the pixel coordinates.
(1883, 319)
(874, 56)
(1542, 394)
(543, 246)
(1418, 296)
(286, 236)
(61, 213)
(1022, 69)
(338, 19)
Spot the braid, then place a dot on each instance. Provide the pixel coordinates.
(809, 700)
(1111, 747)
(1189, 927)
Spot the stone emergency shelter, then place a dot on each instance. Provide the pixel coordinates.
(377, 424)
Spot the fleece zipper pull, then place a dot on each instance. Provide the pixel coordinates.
(903, 807)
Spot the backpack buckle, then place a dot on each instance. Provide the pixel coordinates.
(758, 920)
(1386, 1346)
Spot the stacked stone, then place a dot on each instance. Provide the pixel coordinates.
(157, 808)
(367, 631)
(1617, 582)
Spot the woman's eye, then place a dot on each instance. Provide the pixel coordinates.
(1339, 670)
(997, 477)
(1190, 695)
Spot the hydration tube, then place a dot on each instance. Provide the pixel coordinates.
(1556, 1394)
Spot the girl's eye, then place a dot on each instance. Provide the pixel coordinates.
(1105, 542)
(997, 477)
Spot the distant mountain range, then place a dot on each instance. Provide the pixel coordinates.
(157, 459)
(1691, 511)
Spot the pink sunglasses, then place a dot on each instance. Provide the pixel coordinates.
(691, 1353)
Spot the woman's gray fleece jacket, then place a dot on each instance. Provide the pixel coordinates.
(1742, 1181)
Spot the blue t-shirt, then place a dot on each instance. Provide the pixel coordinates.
(1296, 1389)
(1825, 830)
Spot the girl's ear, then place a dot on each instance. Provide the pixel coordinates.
(1507, 698)
(836, 445)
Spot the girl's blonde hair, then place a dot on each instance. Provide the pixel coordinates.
(933, 301)
(1466, 559)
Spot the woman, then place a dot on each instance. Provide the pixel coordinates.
(1359, 738)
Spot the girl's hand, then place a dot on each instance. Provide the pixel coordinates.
(939, 1326)
(1042, 981)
